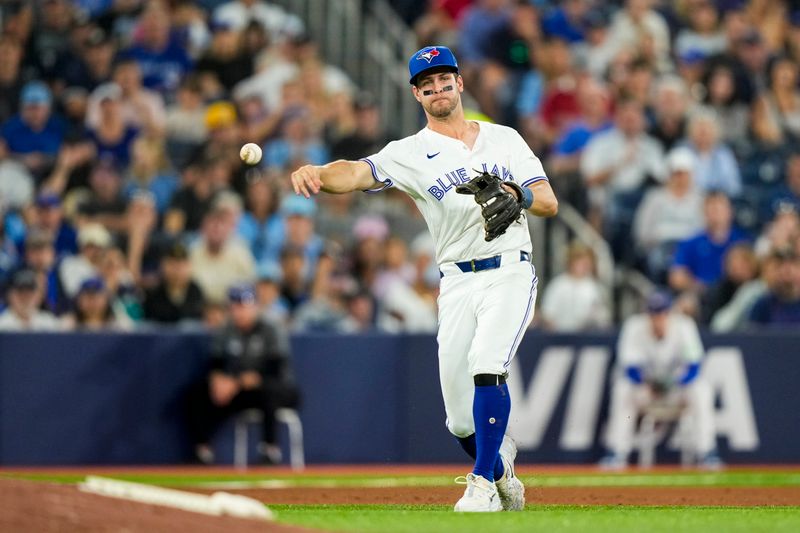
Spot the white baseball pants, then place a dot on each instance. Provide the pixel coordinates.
(482, 319)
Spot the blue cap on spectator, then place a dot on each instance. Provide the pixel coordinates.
(93, 284)
(48, 199)
(243, 293)
(693, 56)
(35, 92)
(658, 302)
(428, 58)
(298, 205)
(269, 271)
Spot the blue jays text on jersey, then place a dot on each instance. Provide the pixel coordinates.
(458, 176)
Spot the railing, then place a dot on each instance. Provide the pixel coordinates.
(567, 226)
(371, 44)
(631, 289)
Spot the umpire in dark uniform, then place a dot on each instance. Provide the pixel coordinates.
(250, 368)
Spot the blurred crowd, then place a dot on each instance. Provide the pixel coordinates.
(123, 202)
(673, 126)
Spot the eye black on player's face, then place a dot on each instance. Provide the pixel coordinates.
(438, 92)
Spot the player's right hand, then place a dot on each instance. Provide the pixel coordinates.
(306, 180)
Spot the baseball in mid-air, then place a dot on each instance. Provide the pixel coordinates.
(250, 153)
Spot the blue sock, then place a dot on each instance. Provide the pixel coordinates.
(468, 443)
(490, 409)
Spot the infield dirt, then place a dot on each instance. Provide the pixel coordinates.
(28, 506)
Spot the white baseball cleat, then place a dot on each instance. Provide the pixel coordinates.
(479, 497)
(509, 487)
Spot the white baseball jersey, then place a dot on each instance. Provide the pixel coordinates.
(483, 315)
(660, 359)
(428, 166)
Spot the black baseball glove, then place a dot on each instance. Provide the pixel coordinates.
(499, 207)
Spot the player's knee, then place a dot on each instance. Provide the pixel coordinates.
(461, 430)
(485, 380)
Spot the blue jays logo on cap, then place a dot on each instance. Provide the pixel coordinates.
(428, 54)
(428, 58)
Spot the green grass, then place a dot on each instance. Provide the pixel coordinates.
(424, 519)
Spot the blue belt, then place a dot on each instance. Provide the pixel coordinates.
(476, 265)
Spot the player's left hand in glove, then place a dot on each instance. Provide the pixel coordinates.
(499, 207)
(660, 387)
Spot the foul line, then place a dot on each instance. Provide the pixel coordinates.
(217, 504)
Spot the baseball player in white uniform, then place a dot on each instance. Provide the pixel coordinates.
(659, 353)
(488, 287)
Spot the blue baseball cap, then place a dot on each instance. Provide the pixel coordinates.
(298, 205)
(658, 302)
(692, 56)
(428, 58)
(35, 92)
(48, 199)
(93, 284)
(243, 293)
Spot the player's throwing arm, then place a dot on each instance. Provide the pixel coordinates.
(337, 177)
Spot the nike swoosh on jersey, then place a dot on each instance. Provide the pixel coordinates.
(431, 156)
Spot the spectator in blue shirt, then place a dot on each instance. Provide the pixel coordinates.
(34, 135)
(716, 167)
(594, 102)
(40, 256)
(788, 193)
(49, 217)
(781, 305)
(482, 20)
(150, 171)
(163, 59)
(698, 260)
(112, 136)
(261, 226)
(482, 49)
(565, 21)
(298, 215)
(297, 144)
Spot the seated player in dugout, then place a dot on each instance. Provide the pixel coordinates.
(250, 368)
(473, 182)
